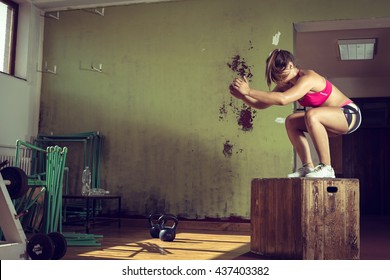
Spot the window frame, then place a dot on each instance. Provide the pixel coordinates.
(12, 51)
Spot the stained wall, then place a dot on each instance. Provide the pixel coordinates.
(174, 138)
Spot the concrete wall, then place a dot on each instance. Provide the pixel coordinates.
(20, 95)
(174, 139)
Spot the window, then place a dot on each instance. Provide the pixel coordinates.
(8, 25)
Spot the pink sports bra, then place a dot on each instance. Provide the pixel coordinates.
(316, 99)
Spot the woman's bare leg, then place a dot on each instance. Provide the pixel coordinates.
(296, 126)
(321, 123)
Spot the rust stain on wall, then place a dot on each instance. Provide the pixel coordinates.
(239, 66)
(250, 45)
(222, 112)
(245, 118)
(245, 115)
(227, 149)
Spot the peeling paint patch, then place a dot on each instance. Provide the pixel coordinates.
(239, 66)
(250, 45)
(222, 112)
(245, 114)
(227, 149)
(280, 120)
(275, 38)
(245, 118)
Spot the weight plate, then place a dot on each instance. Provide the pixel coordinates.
(19, 182)
(40, 247)
(60, 245)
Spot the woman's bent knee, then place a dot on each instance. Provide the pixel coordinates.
(311, 116)
(294, 120)
(289, 121)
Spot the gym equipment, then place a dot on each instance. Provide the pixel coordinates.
(168, 233)
(43, 201)
(16, 181)
(50, 246)
(86, 146)
(55, 164)
(92, 143)
(154, 227)
(60, 245)
(90, 202)
(317, 219)
(40, 247)
(82, 239)
(4, 164)
(16, 185)
(14, 246)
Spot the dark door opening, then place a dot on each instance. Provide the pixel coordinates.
(366, 156)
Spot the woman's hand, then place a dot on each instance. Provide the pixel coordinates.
(241, 85)
(235, 92)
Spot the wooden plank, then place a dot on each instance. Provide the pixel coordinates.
(270, 226)
(334, 218)
(282, 214)
(296, 220)
(312, 213)
(353, 220)
(288, 217)
(256, 224)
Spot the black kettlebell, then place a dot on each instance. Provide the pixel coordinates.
(154, 228)
(168, 233)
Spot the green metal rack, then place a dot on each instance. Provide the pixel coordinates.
(44, 186)
(91, 145)
(92, 142)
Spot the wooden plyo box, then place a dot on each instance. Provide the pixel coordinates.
(302, 218)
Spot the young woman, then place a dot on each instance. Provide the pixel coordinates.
(331, 113)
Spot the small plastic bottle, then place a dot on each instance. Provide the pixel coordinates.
(86, 180)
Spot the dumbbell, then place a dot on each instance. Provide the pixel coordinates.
(52, 246)
(16, 181)
(168, 233)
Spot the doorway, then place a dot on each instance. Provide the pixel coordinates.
(366, 154)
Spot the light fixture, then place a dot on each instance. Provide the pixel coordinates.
(356, 49)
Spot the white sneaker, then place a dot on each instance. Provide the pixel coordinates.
(301, 172)
(322, 171)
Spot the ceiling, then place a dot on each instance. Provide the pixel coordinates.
(315, 43)
(316, 47)
(59, 5)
